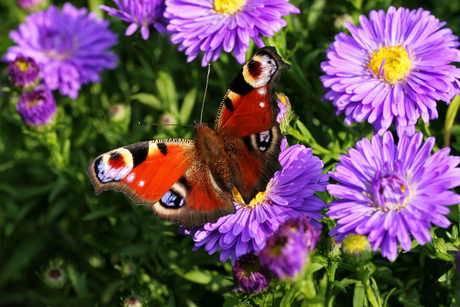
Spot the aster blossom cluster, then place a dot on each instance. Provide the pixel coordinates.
(392, 69)
(32, 5)
(69, 46)
(213, 26)
(140, 14)
(36, 104)
(23, 72)
(247, 275)
(285, 253)
(37, 107)
(389, 192)
(290, 193)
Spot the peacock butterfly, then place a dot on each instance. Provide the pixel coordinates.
(191, 182)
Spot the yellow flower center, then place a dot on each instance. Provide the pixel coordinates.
(283, 98)
(260, 198)
(251, 268)
(228, 7)
(276, 250)
(356, 243)
(396, 66)
(23, 66)
(33, 103)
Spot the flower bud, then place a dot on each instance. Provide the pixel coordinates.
(23, 72)
(247, 275)
(356, 250)
(37, 107)
(54, 277)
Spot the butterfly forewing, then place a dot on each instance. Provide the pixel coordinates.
(246, 120)
(250, 106)
(143, 171)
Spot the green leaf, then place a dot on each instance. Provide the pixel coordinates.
(78, 281)
(410, 298)
(110, 290)
(167, 91)
(23, 193)
(57, 208)
(59, 186)
(139, 249)
(375, 289)
(187, 106)
(338, 285)
(203, 277)
(269, 299)
(450, 118)
(98, 214)
(448, 275)
(149, 100)
(288, 297)
(388, 296)
(358, 295)
(26, 250)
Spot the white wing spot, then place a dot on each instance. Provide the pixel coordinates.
(141, 183)
(262, 104)
(262, 91)
(130, 178)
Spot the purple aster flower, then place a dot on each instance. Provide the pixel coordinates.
(23, 72)
(247, 275)
(389, 191)
(289, 193)
(392, 69)
(213, 26)
(285, 253)
(285, 115)
(37, 107)
(140, 13)
(32, 5)
(68, 46)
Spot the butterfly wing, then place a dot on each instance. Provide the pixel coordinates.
(250, 106)
(177, 182)
(246, 120)
(165, 175)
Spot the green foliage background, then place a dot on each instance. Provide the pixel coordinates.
(49, 214)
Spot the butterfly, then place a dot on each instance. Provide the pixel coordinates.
(191, 181)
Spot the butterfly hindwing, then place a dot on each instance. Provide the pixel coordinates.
(264, 147)
(196, 198)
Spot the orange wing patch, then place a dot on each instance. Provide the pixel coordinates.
(143, 171)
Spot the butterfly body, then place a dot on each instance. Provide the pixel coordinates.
(191, 182)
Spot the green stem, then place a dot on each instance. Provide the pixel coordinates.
(369, 293)
(364, 277)
(450, 117)
(307, 288)
(331, 269)
(317, 149)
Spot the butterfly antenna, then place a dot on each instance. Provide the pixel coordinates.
(205, 91)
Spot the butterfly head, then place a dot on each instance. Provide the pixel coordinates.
(199, 125)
